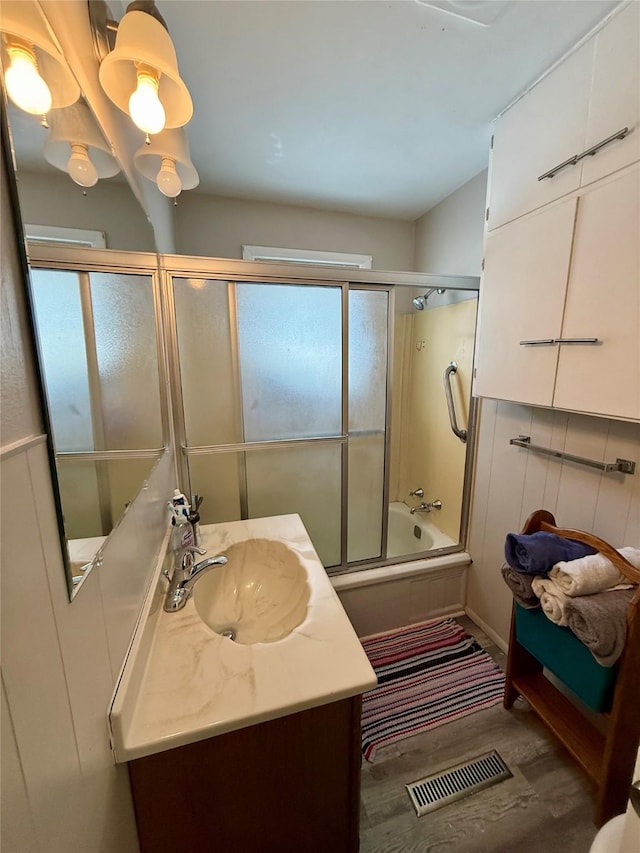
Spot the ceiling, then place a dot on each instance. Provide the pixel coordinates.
(365, 106)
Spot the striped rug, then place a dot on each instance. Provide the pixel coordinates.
(428, 674)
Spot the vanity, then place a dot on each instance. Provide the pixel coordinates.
(250, 743)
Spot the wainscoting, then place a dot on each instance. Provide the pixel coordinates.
(510, 483)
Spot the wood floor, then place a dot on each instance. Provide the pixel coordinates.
(546, 807)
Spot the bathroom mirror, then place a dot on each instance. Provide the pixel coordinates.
(96, 325)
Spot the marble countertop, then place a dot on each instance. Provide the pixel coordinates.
(183, 682)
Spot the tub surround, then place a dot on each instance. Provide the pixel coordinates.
(184, 683)
(390, 596)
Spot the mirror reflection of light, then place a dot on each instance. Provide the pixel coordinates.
(197, 283)
(80, 167)
(168, 179)
(25, 86)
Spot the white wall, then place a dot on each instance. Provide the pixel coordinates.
(109, 206)
(448, 239)
(218, 227)
(61, 792)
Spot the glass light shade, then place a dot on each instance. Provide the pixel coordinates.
(75, 125)
(25, 86)
(143, 41)
(145, 108)
(80, 167)
(166, 160)
(23, 24)
(168, 180)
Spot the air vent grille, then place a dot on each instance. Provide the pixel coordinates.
(457, 782)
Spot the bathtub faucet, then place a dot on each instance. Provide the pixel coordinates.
(426, 507)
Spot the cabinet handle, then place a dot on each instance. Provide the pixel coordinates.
(595, 148)
(577, 340)
(570, 162)
(588, 153)
(542, 342)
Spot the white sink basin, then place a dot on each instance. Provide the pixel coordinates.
(260, 596)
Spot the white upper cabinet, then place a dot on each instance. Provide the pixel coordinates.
(539, 132)
(559, 317)
(615, 96)
(526, 267)
(603, 302)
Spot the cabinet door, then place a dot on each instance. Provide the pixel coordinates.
(615, 96)
(522, 296)
(603, 302)
(544, 128)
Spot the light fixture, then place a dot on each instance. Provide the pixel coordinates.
(36, 74)
(140, 75)
(166, 160)
(75, 144)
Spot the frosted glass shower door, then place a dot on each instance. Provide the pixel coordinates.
(261, 368)
(290, 343)
(290, 354)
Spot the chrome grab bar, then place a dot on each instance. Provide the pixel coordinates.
(623, 466)
(461, 433)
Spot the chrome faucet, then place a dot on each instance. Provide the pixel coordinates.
(426, 507)
(185, 574)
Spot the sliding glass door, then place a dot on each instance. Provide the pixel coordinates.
(283, 394)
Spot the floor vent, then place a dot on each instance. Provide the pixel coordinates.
(457, 782)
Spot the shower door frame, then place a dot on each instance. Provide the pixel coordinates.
(236, 272)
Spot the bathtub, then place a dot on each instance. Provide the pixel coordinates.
(409, 591)
(409, 534)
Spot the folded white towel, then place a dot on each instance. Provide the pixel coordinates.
(595, 573)
(552, 599)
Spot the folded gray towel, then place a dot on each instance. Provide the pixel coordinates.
(520, 585)
(600, 621)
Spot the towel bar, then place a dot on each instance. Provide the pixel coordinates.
(623, 466)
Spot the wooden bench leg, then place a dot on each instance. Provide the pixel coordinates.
(519, 662)
(621, 748)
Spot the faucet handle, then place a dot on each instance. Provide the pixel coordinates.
(419, 493)
(184, 556)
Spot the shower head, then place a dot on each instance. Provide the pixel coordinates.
(420, 301)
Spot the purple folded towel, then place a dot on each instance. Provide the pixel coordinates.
(536, 553)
